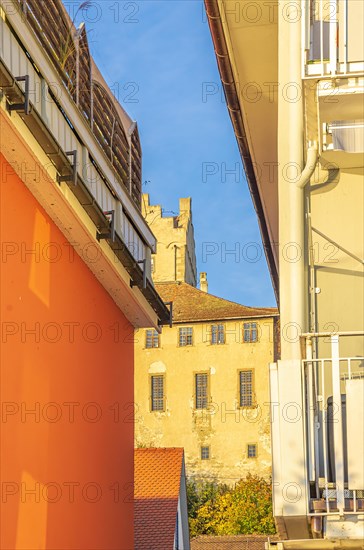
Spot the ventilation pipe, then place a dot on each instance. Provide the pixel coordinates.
(204, 285)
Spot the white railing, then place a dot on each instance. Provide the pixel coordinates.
(334, 432)
(332, 38)
(19, 64)
(132, 240)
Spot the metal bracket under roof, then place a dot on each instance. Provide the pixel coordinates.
(22, 107)
(144, 264)
(109, 233)
(170, 304)
(73, 177)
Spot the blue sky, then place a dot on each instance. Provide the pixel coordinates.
(159, 56)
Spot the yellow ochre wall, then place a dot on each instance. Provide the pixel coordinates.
(224, 427)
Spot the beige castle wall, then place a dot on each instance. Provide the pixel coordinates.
(175, 259)
(224, 427)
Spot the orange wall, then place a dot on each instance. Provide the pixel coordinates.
(67, 468)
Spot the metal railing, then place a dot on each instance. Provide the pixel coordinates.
(328, 398)
(50, 111)
(332, 38)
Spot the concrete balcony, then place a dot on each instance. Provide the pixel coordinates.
(333, 38)
(334, 430)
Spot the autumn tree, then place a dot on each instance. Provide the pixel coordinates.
(216, 509)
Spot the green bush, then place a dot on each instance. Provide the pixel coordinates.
(216, 509)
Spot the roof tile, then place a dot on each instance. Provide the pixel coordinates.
(157, 485)
(191, 304)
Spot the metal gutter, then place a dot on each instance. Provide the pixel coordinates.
(232, 100)
(217, 318)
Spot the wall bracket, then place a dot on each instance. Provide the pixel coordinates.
(144, 263)
(73, 177)
(22, 107)
(110, 232)
(170, 304)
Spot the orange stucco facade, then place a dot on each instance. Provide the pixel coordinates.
(66, 390)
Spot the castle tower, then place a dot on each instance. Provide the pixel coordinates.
(175, 259)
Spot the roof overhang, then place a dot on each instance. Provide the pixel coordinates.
(245, 37)
(143, 308)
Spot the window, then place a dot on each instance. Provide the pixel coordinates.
(201, 390)
(157, 392)
(205, 453)
(185, 336)
(250, 332)
(217, 334)
(246, 388)
(151, 339)
(252, 450)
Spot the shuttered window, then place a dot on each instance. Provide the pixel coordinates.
(250, 332)
(217, 334)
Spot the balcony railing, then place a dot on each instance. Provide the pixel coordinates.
(67, 49)
(79, 161)
(334, 404)
(50, 111)
(333, 38)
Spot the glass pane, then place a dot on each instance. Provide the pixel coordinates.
(157, 393)
(246, 388)
(185, 336)
(252, 451)
(205, 453)
(201, 391)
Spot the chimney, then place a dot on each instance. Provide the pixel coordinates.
(204, 285)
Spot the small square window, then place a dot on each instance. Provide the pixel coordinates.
(185, 336)
(217, 334)
(250, 332)
(151, 339)
(252, 450)
(205, 453)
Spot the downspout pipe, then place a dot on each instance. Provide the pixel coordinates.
(290, 467)
(311, 162)
(291, 152)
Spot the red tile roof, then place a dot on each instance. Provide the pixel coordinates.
(157, 485)
(191, 304)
